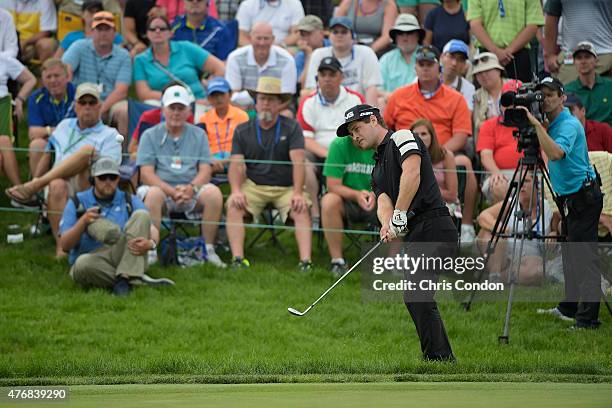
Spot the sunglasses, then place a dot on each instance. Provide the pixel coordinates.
(483, 59)
(105, 177)
(90, 102)
(158, 29)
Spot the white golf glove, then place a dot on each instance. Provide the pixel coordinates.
(398, 224)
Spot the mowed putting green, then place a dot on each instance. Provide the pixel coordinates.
(407, 394)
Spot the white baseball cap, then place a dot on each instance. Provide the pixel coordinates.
(176, 94)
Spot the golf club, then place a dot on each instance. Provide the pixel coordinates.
(298, 313)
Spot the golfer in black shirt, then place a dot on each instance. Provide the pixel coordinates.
(409, 206)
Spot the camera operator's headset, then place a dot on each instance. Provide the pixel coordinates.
(80, 208)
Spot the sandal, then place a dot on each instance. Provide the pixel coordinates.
(21, 195)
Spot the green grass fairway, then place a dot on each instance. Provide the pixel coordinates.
(430, 395)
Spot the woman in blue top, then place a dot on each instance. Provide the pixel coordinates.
(166, 61)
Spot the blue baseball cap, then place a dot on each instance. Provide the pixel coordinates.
(218, 84)
(342, 21)
(457, 46)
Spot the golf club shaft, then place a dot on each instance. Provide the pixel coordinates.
(345, 274)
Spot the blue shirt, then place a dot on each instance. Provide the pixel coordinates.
(212, 35)
(88, 66)
(446, 27)
(185, 63)
(568, 174)
(300, 58)
(175, 161)
(43, 110)
(116, 212)
(73, 36)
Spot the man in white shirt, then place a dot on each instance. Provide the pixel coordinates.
(453, 60)
(319, 115)
(283, 16)
(359, 63)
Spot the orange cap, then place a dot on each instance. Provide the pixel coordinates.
(103, 17)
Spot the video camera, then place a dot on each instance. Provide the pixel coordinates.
(531, 98)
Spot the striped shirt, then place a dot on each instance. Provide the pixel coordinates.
(504, 19)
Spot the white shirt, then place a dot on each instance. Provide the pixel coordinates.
(360, 68)
(320, 119)
(281, 15)
(9, 68)
(8, 35)
(43, 10)
(467, 90)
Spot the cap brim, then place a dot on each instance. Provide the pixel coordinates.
(342, 130)
(217, 89)
(173, 101)
(101, 173)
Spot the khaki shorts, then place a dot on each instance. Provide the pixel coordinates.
(259, 196)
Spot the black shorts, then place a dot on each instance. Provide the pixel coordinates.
(354, 213)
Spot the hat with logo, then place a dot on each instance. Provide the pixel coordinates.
(310, 23)
(585, 46)
(331, 63)
(358, 112)
(176, 94)
(103, 17)
(104, 165)
(428, 53)
(456, 46)
(218, 84)
(551, 83)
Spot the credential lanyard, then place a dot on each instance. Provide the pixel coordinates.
(227, 129)
(276, 136)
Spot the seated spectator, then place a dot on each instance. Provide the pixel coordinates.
(348, 170)
(533, 251)
(220, 123)
(430, 99)
(11, 68)
(445, 23)
(580, 20)
(282, 15)
(89, 8)
(372, 20)
(312, 37)
(108, 234)
(35, 22)
(166, 61)
(9, 46)
(593, 90)
(174, 160)
(254, 185)
(398, 66)
(97, 60)
(419, 8)
(505, 29)
(443, 163)
(453, 59)
(359, 63)
(489, 74)
(498, 152)
(319, 115)
(203, 30)
(259, 59)
(48, 106)
(74, 142)
(598, 134)
(135, 17)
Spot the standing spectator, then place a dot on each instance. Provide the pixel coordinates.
(88, 10)
(419, 8)
(320, 114)
(593, 90)
(9, 46)
(372, 20)
(203, 30)
(598, 134)
(489, 74)
(137, 13)
(505, 29)
(584, 19)
(97, 60)
(256, 184)
(312, 37)
(359, 63)
(227, 9)
(174, 160)
(445, 23)
(48, 106)
(167, 61)
(453, 59)
(398, 66)
(324, 9)
(220, 122)
(261, 58)
(282, 15)
(35, 22)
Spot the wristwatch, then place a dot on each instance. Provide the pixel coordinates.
(196, 189)
(154, 245)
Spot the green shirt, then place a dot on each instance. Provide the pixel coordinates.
(596, 101)
(395, 71)
(502, 30)
(349, 163)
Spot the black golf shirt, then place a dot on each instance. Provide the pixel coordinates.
(389, 157)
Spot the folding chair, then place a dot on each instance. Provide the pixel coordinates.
(269, 217)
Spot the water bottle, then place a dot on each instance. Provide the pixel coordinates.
(14, 234)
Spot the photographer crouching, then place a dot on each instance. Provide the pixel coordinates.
(575, 181)
(108, 233)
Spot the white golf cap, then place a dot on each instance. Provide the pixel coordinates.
(176, 94)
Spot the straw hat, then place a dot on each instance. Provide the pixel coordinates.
(269, 86)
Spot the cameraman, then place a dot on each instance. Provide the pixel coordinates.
(574, 180)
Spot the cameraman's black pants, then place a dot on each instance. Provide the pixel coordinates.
(581, 267)
(421, 304)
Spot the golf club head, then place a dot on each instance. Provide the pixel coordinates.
(294, 312)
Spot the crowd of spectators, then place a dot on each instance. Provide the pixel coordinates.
(181, 92)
